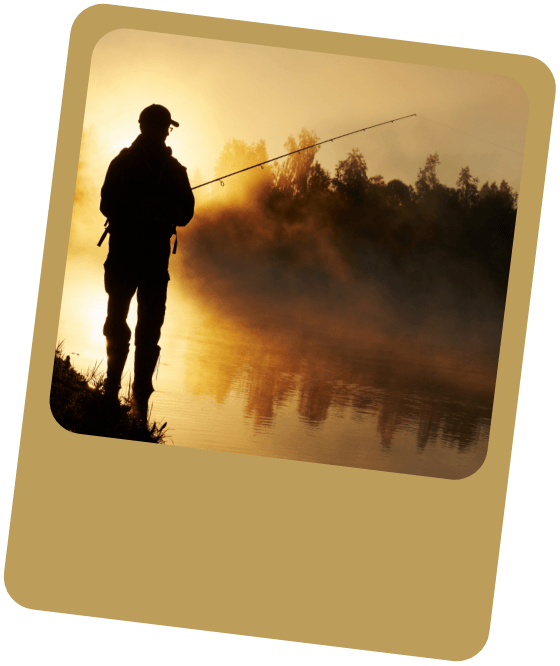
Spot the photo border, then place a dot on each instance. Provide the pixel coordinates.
(249, 545)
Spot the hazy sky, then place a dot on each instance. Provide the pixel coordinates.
(223, 90)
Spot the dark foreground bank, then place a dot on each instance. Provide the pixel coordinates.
(79, 405)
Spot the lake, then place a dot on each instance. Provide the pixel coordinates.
(282, 391)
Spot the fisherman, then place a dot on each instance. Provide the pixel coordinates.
(146, 194)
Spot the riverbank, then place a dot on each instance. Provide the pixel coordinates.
(79, 405)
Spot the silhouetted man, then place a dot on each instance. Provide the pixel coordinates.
(146, 194)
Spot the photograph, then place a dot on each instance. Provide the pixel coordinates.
(289, 254)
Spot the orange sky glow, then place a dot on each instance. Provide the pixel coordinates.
(223, 90)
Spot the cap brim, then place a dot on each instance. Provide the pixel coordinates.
(174, 123)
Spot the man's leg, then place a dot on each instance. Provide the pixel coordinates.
(120, 290)
(152, 295)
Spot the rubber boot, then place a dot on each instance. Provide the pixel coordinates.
(145, 362)
(116, 360)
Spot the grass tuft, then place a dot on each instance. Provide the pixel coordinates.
(79, 405)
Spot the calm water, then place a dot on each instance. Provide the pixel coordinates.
(284, 393)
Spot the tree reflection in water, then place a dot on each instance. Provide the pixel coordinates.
(439, 397)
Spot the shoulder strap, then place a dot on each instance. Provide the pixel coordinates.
(104, 236)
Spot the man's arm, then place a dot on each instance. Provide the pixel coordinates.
(182, 209)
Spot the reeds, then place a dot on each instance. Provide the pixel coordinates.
(79, 405)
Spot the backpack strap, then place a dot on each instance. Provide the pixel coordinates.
(104, 236)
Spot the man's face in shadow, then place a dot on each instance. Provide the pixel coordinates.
(157, 133)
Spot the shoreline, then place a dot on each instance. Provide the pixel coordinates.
(79, 405)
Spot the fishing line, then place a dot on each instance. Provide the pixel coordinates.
(467, 134)
(363, 129)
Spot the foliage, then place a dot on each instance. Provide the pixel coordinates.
(237, 155)
(357, 226)
(292, 175)
(351, 179)
(467, 188)
(79, 405)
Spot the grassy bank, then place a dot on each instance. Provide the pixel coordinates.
(79, 405)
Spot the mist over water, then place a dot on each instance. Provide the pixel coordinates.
(307, 255)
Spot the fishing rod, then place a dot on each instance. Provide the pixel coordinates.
(320, 143)
(261, 164)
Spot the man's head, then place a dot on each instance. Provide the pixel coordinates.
(155, 121)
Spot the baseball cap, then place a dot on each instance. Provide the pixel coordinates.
(157, 115)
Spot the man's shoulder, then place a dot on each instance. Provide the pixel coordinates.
(175, 164)
(121, 158)
(172, 160)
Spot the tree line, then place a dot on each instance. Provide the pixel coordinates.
(377, 227)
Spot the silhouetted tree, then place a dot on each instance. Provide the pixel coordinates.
(237, 155)
(403, 233)
(467, 187)
(351, 177)
(398, 194)
(427, 179)
(428, 195)
(292, 173)
(297, 216)
(492, 229)
(319, 180)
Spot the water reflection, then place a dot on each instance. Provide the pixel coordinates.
(437, 398)
(284, 392)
